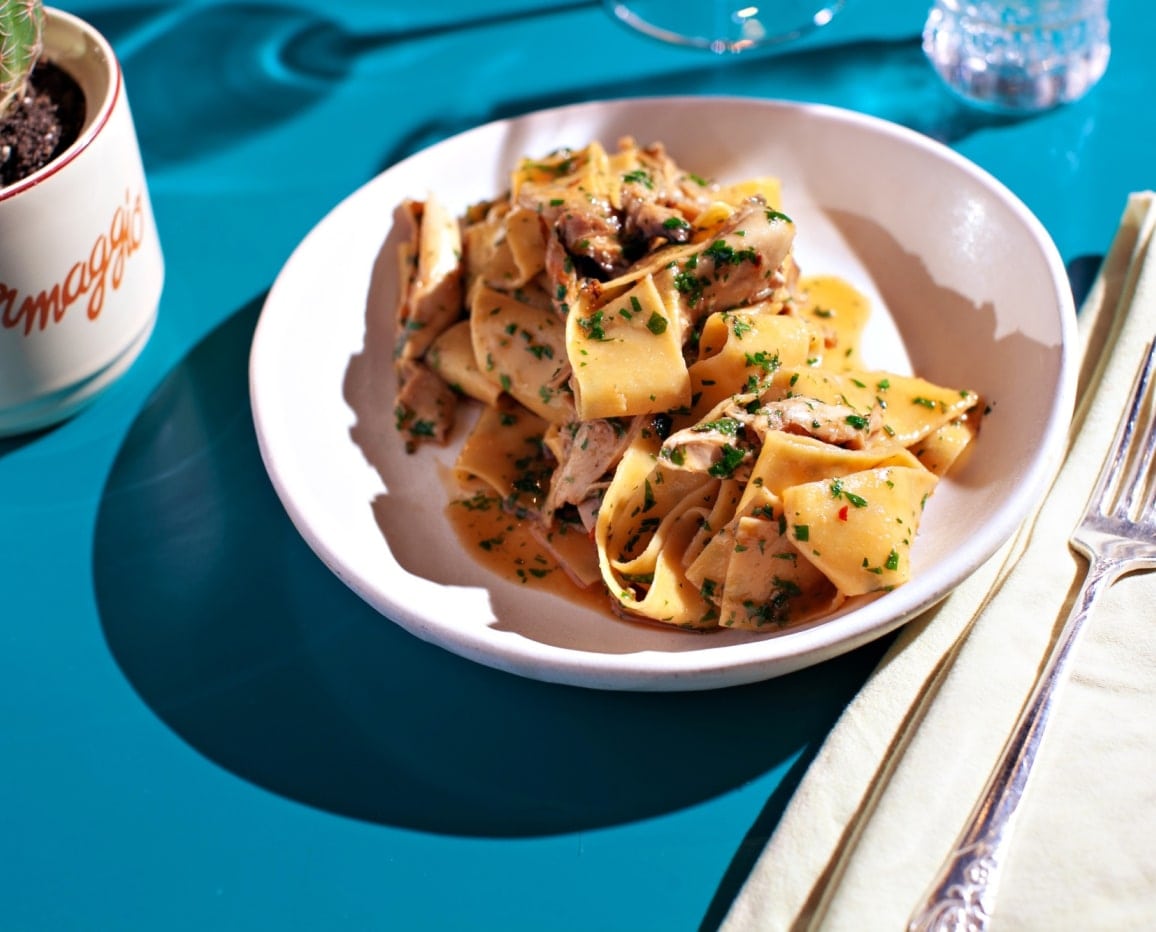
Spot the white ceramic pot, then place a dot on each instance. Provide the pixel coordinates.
(81, 269)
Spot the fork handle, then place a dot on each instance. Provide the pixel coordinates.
(963, 892)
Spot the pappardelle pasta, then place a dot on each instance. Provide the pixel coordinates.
(671, 409)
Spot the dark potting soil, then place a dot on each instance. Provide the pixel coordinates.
(42, 124)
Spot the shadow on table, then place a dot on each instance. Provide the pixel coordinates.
(238, 638)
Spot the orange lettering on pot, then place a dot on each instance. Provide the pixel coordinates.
(87, 278)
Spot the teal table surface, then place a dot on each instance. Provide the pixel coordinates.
(200, 726)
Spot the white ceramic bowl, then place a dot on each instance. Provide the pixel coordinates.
(969, 291)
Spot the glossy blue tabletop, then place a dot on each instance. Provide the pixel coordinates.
(200, 726)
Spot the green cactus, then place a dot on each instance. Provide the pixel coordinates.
(21, 42)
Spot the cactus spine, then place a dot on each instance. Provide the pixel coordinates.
(21, 41)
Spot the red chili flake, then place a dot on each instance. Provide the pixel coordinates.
(843, 513)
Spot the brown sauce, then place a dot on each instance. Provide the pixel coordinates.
(506, 546)
(835, 306)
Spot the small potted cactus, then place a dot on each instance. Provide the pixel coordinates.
(21, 42)
(81, 269)
(35, 124)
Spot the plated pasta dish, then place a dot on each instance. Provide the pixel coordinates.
(669, 413)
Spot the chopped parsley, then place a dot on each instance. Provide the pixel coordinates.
(592, 326)
(639, 176)
(724, 254)
(690, 285)
(768, 362)
(657, 323)
(731, 458)
(724, 425)
(837, 491)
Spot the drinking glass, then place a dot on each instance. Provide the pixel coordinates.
(724, 25)
(1018, 56)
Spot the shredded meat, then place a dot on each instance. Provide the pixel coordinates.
(658, 205)
(587, 227)
(590, 229)
(648, 220)
(832, 423)
(727, 439)
(560, 275)
(741, 265)
(425, 405)
(658, 201)
(586, 451)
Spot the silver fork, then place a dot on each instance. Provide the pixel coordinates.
(1117, 534)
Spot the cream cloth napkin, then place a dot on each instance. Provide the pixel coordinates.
(882, 803)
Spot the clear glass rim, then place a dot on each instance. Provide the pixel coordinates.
(624, 12)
